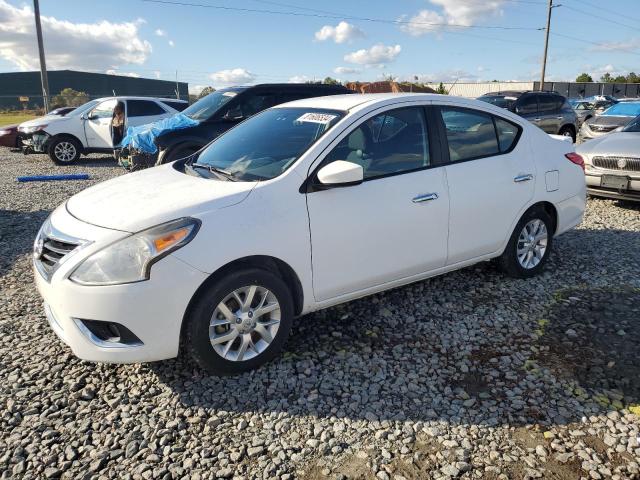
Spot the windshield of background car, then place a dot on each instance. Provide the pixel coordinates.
(633, 126)
(268, 143)
(624, 109)
(499, 101)
(82, 108)
(204, 108)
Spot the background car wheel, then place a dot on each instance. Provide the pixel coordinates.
(178, 153)
(568, 132)
(64, 151)
(529, 246)
(239, 322)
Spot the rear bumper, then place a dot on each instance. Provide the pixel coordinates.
(594, 187)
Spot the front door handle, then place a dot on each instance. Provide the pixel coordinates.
(523, 178)
(425, 198)
(537, 119)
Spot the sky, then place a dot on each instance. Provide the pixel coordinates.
(227, 42)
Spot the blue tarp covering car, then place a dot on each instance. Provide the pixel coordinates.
(141, 138)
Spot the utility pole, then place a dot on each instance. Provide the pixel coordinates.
(177, 87)
(546, 43)
(43, 64)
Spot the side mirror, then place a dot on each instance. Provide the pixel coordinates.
(233, 114)
(340, 174)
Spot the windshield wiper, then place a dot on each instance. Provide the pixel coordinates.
(215, 170)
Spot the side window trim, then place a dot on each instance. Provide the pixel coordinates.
(443, 133)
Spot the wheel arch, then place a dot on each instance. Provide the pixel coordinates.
(185, 144)
(264, 262)
(549, 209)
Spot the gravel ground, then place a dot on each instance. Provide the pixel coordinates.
(468, 375)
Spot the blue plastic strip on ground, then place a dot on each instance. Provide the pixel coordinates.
(142, 137)
(53, 178)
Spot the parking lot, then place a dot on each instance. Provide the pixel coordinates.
(467, 375)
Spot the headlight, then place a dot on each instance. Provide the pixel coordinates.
(130, 259)
(32, 129)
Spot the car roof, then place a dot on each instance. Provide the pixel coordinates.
(128, 97)
(352, 100)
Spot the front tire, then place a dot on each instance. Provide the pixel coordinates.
(63, 151)
(567, 131)
(239, 322)
(529, 246)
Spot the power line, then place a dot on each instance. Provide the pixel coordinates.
(582, 40)
(321, 15)
(611, 12)
(600, 17)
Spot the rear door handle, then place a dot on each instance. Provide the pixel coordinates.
(425, 197)
(523, 178)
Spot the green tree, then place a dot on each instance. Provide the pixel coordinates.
(633, 78)
(606, 78)
(69, 97)
(620, 79)
(206, 91)
(584, 77)
(330, 81)
(441, 90)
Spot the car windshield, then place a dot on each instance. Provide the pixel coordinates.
(624, 109)
(207, 106)
(633, 126)
(499, 100)
(82, 108)
(268, 143)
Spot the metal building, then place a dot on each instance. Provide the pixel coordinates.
(23, 89)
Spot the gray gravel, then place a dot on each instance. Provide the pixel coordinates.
(468, 375)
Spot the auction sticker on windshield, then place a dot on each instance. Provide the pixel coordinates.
(323, 118)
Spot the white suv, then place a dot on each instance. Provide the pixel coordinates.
(303, 206)
(87, 129)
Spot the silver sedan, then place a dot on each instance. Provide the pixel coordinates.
(612, 163)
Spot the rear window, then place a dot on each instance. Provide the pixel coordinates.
(143, 108)
(507, 134)
(470, 134)
(499, 100)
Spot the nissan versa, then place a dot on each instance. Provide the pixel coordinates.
(303, 206)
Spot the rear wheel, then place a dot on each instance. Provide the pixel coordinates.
(567, 131)
(239, 322)
(529, 246)
(64, 151)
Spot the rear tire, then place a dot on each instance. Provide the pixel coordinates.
(529, 246)
(64, 150)
(567, 131)
(240, 322)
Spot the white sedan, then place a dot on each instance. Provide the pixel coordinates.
(306, 205)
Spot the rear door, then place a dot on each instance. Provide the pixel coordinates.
(141, 112)
(549, 112)
(527, 107)
(491, 178)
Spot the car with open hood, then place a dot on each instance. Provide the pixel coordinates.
(303, 206)
(613, 118)
(88, 128)
(612, 163)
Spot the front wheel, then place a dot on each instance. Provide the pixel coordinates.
(568, 132)
(529, 246)
(239, 322)
(64, 151)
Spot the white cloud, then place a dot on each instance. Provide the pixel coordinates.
(171, 44)
(377, 55)
(454, 12)
(196, 89)
(113, 71)
(346, 71)
(88, 46)
(624, 46)
(233, 76)
(300, 79)
(156, 73)
(341, 33)
(160, 33)
(454, 75)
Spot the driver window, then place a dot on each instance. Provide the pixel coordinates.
(390, 143)
(104, 109)
(253, 104)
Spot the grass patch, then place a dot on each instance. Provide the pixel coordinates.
(15, 117)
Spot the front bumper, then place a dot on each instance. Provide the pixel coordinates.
(153, 310)
(35, 143)
(593, 178)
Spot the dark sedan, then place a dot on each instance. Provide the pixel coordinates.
(9, 136)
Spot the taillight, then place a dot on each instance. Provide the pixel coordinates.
(575, 158)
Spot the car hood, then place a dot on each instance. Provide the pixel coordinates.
(46, 120)
(140, 200)
(624, 144)
(608, 120)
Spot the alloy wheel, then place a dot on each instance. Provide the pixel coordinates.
(65, 151)
(244, 323)
(532, 244)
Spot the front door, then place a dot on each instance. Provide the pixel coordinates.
(491, 178)
(97, 126)
(394, 224)
(549, 113)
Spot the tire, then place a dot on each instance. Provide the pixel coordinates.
(531, 264)
(239, 327)
(179, 152)
(568, 131)
(64, 150)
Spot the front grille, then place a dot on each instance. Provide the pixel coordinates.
(602, 128)
(49, 252)
(631, 164)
